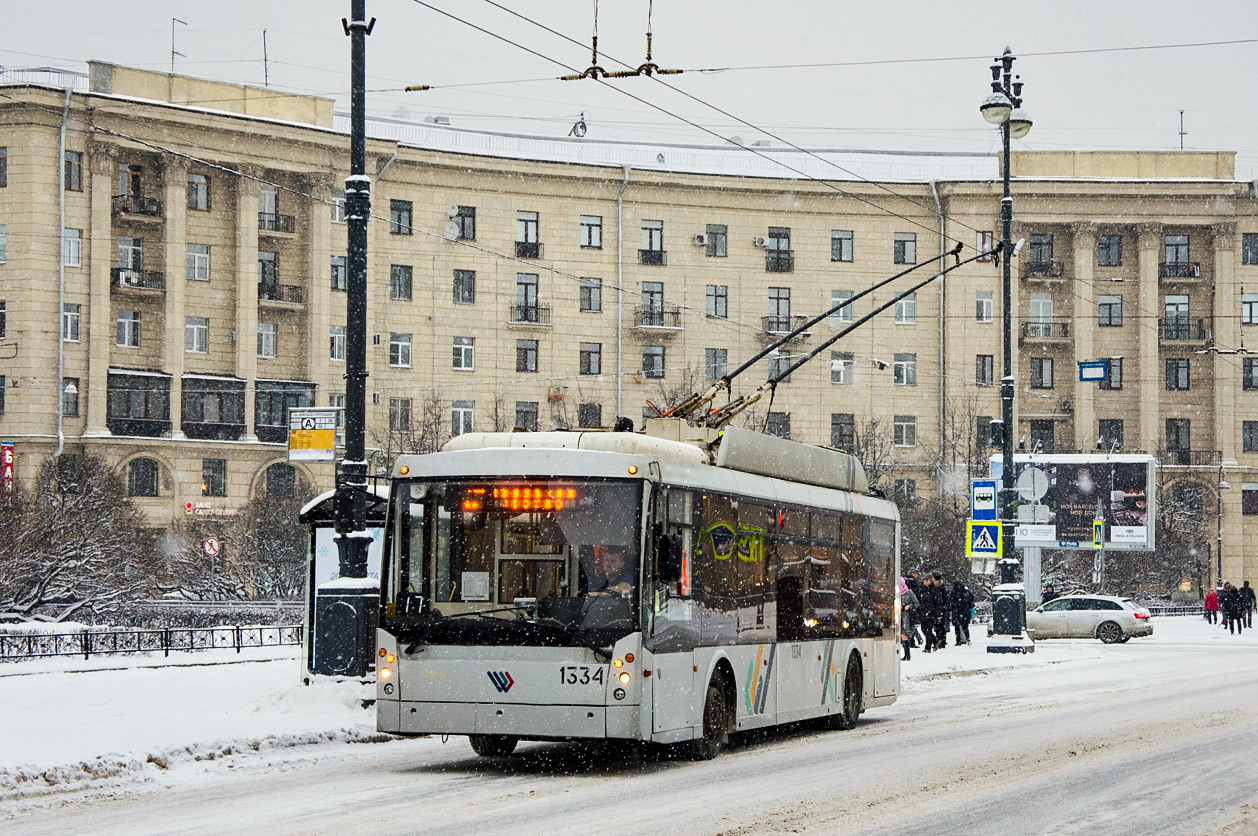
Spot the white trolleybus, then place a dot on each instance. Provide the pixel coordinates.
(632, 586)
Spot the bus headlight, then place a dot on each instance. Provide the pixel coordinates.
(624, 677)
(390, 658)
(385, 673)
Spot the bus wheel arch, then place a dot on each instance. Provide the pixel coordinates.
(853, 696)
(718, 715)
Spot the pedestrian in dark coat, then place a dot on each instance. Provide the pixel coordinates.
(1233, 609)
(1049, 594)
(962, 604)
(1211, 606)
(908, 608)
(1248, 599)
(934, 608)
(943, 616)
(914, 583)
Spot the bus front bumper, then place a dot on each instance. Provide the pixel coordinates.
(537, 722)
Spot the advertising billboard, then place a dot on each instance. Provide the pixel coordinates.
(1060, 498)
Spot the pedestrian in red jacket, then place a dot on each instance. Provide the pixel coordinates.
(1212, 606)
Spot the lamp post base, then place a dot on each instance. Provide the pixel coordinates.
(1010, 644)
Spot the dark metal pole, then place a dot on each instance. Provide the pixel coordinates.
(1009, 564)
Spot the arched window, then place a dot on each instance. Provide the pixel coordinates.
(142, 477)
(281, 481)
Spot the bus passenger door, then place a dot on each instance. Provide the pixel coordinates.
(675, 621)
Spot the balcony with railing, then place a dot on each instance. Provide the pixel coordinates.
(289, 294)
(653, 258)
(774, 327)
(528, 249)
(1193, 458)
(530, 314)
(1180, 270)
(779, 261)
(665, 319)
(126, 278)
(1051, 269)
(1185, 329)
(211, 431)
(1046, 331)
(136, 206)
(275, 223)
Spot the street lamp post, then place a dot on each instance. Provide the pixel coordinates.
(1004, 107)
(1218, 524)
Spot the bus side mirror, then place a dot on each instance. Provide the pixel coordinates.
(668, 554)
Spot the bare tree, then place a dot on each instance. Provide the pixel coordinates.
(73, 545)
(423, 431)
(875, 448)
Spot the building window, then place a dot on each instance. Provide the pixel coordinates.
(778, 424)
(1115, 379)
(589, 415)
(715, 363)
(905, 370)
(337, 401)
(268, 207)
(842, 367)
(779, 309)
(653, 361)
(1249, 373)
(4, 167)
(399, 415)
(526, 415)
(905, 430)
(841, 315)
(652, 251)
(591, 232)
(70, 397)
(527, 235)
(73, 171)
(213, 408)
(985, 370)
(591, 358)
(779, 258)
(1109, 311)
(1249, 309)
(985, 242)
(400, 350)
(71, 321)
(338, 206)
(526, 355)
(984, 306)
(266, 340)
(3, 386)
(340, 275)
(716, 301)
(461, 417)
(272, 402)
(213, 477)
(465, 220)
(1178, 434)
(1041, 372)
(336, 335)
(779, 362)
(196, 334)
(1109, 250)
(400, 216)
(1041, 324)
(1177, 249)
(72, 247)
(1043, 435)
(1041, 249)
(465, 353)
(906, 248)
(982, 437)
(591, 290)
(130, 252)
(906, 310)
(4, 243)
(134, 403)
(400, 282)
(281, 481)
(1249, 436)
(905, 491)
(142, 477)
(653, 303)
(269, 275)
(1249, 248)
(464, 287)
(3, 317)
(1110, 433)
(840, 245)
(527, 308)
(198, 192)
(843, 431)
(128, 333)
(1249, 498)
(716, 236)
(1176, 374)
(198, 258)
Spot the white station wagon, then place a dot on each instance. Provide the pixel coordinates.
(1104, 617)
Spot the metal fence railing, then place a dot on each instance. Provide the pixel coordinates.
(86, 643)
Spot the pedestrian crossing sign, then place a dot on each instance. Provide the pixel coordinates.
(982, 539)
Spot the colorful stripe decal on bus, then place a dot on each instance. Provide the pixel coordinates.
(829, 682)
(756, 694)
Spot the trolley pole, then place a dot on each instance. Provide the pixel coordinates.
(347, 609)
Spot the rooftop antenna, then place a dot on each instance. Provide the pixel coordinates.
(1182, 133)
(266, 70)
(173, 53)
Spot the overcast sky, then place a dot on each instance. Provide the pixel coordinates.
(1104, 100)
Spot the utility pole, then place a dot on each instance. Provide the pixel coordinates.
(347, 609)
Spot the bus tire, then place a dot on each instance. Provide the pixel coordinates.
(853, 696)
(716, 723)
(492, 745)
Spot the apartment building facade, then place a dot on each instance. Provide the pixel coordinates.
(546, 285)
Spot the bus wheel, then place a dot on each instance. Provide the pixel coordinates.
(492, 745)
(853, 696)
(715, 725)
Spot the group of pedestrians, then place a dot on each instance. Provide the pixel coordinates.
(1235, 603)
(927, 608)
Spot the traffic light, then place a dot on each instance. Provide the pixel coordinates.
(997, 432)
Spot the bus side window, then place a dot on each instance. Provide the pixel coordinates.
(680, 505)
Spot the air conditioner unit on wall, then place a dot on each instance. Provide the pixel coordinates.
(701, 240)
(758, 241)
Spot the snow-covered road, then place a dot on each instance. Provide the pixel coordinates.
(1154, 736)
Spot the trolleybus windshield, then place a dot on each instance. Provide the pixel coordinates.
(514, 560)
